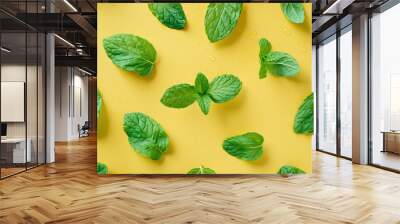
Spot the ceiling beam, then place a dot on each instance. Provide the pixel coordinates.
(86, 26)
(337, 7)
(78, 61)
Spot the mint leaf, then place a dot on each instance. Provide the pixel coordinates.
(201, 83)
(277, 63)
(179, 96)
(281, 64)
(204, 102)
(131, 53)
(263, 71)
(287, 171)
(294, 12)
(169, 14)
(224, 88)
(221, 89)
(265, 48)
(145, 135)
(245, 147)
(221, 19)
(304, 120)
(201, 170)
(99, 102)
(102, 169)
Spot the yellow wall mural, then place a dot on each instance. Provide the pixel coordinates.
(241, 91)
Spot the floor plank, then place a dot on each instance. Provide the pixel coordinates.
(69, 191)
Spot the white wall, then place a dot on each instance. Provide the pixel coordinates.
(9, 73)
(33, 127)
(16, 73)
(62, 81)
(71, 103)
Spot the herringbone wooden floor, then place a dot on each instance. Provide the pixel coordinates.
(70, 191)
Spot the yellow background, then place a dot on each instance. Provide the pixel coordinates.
(265, 106)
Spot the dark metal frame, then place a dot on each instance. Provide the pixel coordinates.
(316, 97)
(338, 98)
(369, 90)
(44, 70)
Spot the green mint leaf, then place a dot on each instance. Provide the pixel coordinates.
(102, 169)
(262, 73)
(99, 102)
(221, 89)
(221, 19)
(287, 171)
(169, 14)
(201, 83)
(265, 48)
(131, 53)
(294, 12)
(145, 135)
(204, 102)
(179, 96)
(304, 120)
(201, 170)
(281, 64)
(245, 147)
(224, 88)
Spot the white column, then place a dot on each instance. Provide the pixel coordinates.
(360, 90)
(50, 94)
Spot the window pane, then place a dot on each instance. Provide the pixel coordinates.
(385, 84)
(327, 96)
(346, 94)
(14, 153)
(31, 99)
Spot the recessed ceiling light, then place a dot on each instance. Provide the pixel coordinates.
(335, 7)
(5, 50)
(64, 40)
(70, 5)
(84, 71)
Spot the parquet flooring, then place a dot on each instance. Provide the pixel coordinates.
(70, 191)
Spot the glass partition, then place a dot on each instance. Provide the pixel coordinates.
(385, 90)
(13, 95)
(22, 100)
(327, 96)
(346, 93)
(31, 99)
